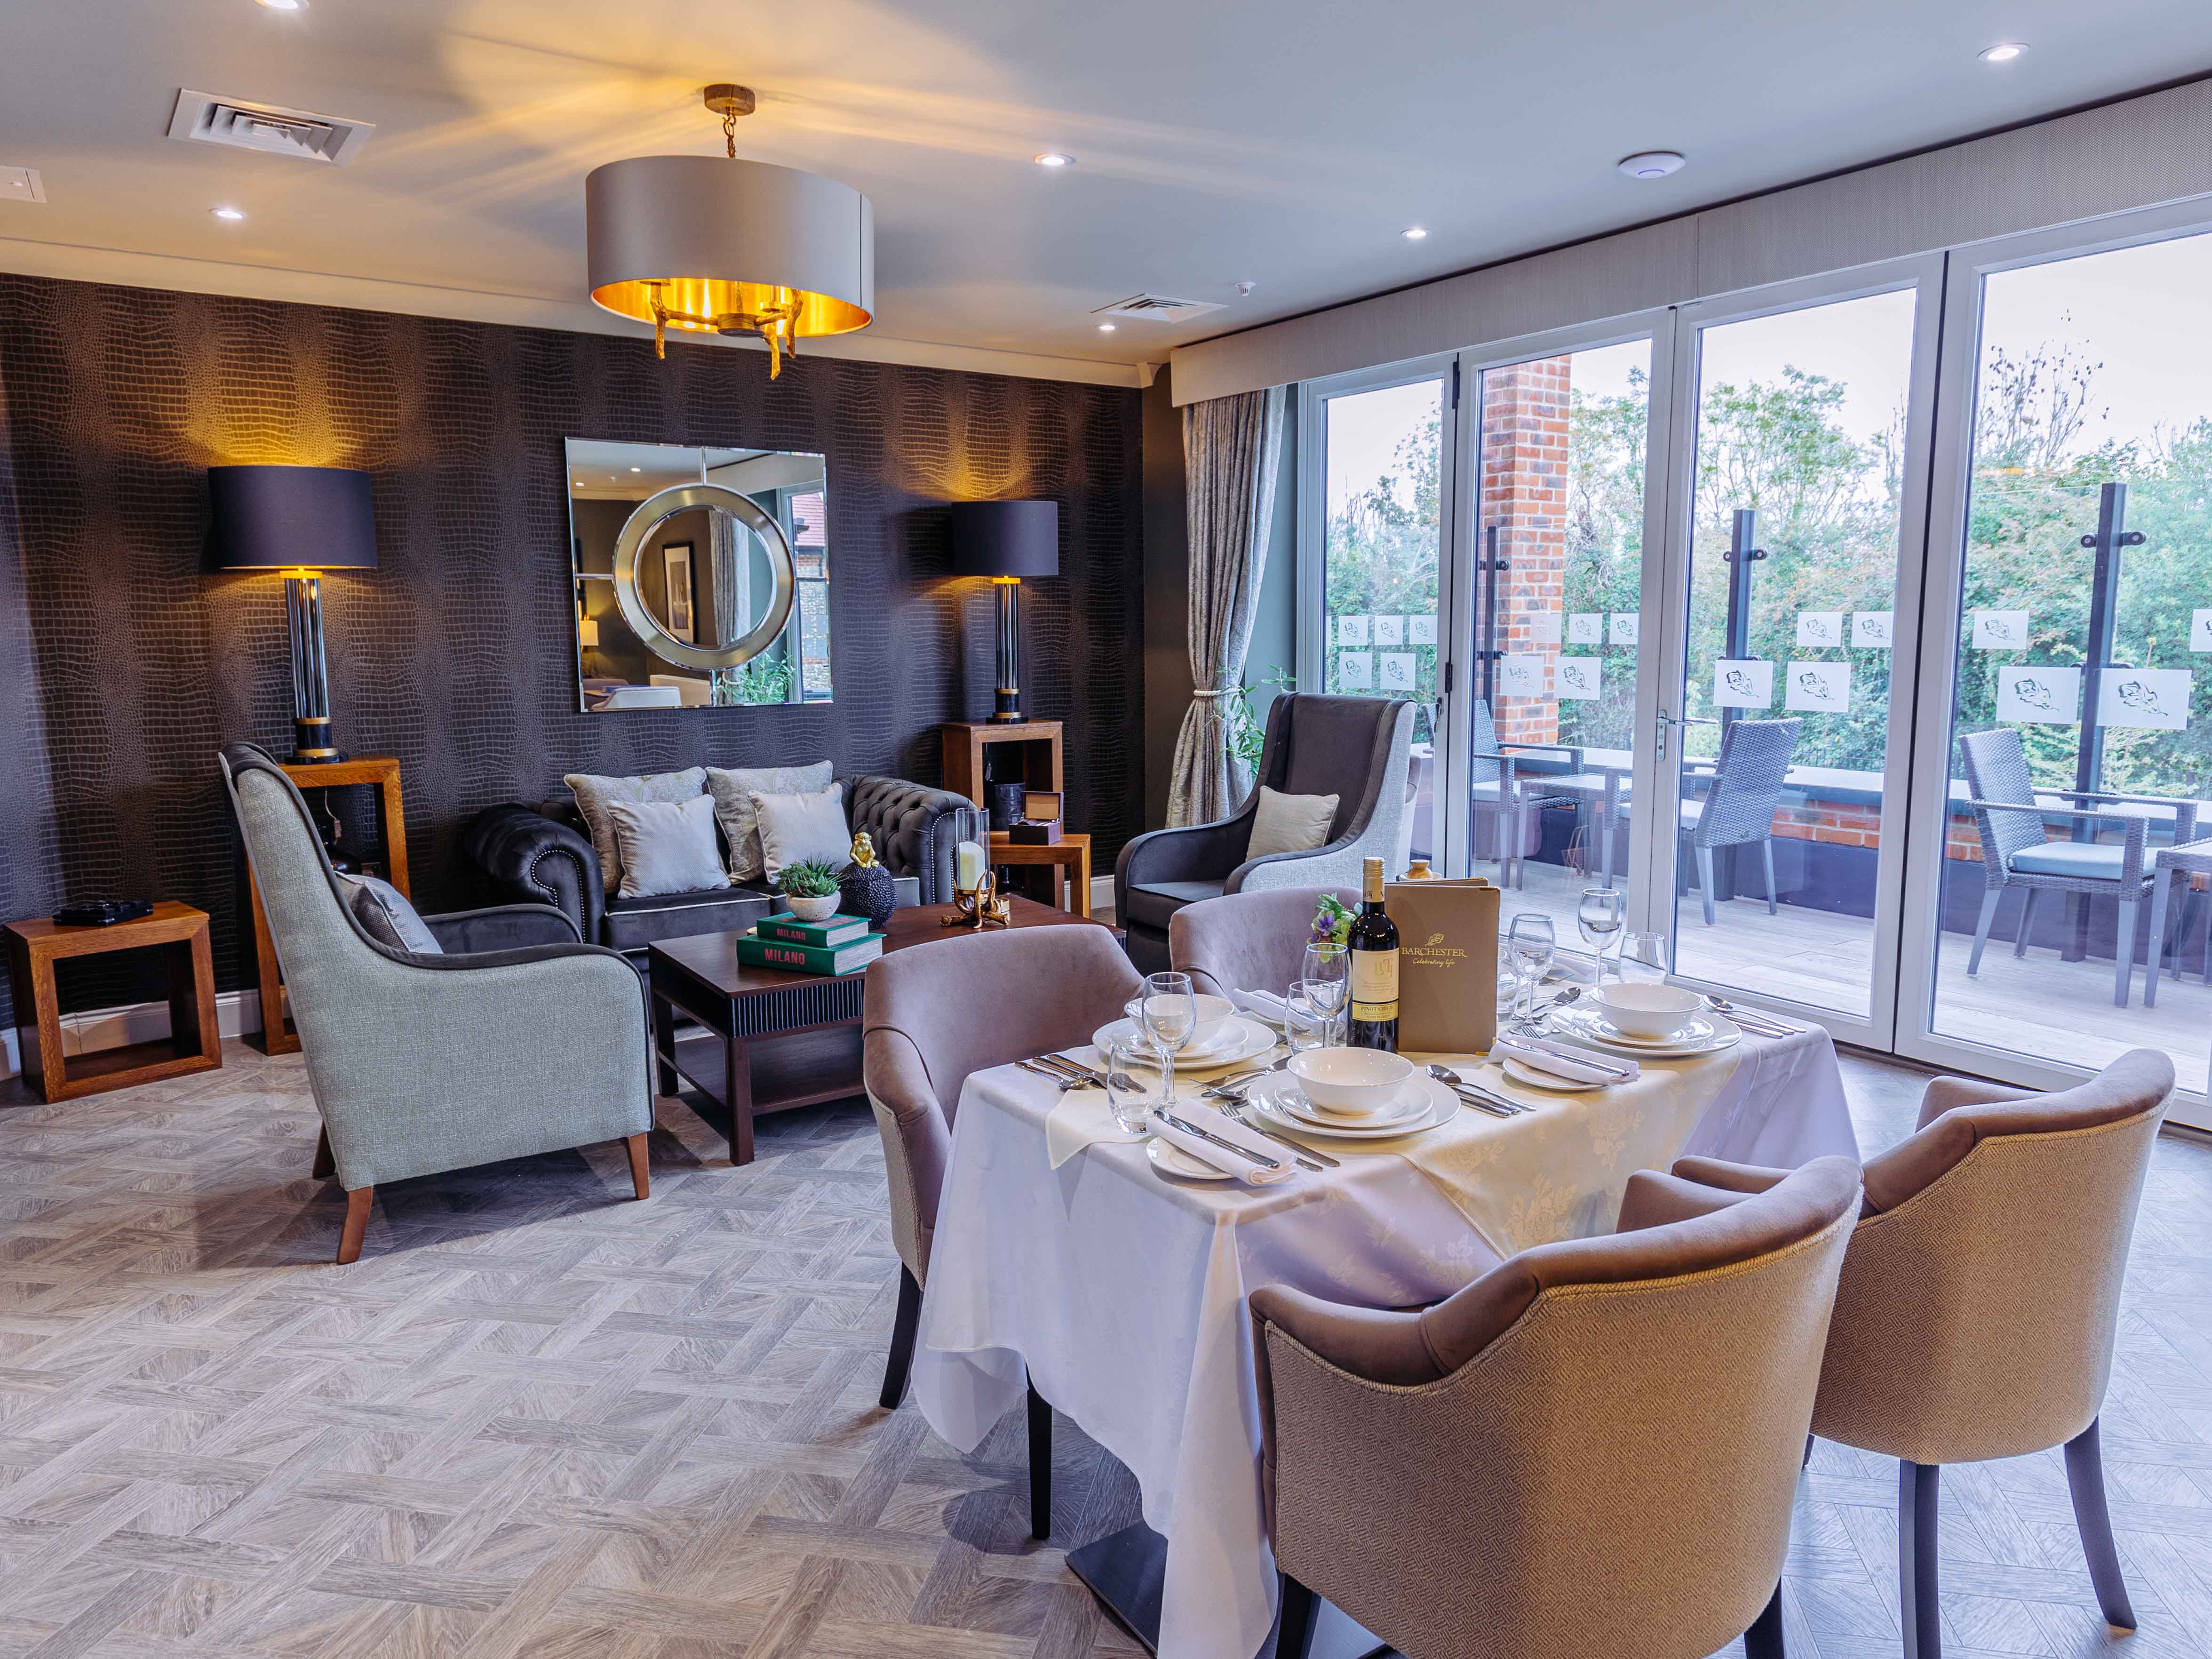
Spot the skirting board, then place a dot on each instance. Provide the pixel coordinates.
(237, 1013)
(1102, 897)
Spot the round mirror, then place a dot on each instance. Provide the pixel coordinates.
(703, 576)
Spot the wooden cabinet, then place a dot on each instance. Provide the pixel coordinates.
(179, 934)
(978, 753)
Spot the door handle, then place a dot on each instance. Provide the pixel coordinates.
(1660, 722)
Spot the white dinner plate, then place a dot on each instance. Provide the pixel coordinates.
(1408, 1101)
(1170, 1159)
(1521, 1072)
(1262, 1097)
(1705, 1033)
(1253, 1039)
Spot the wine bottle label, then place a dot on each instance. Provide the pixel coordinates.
(1374, 984)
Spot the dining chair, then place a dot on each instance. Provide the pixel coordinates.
(1978, 1300)
(933, 1014)
(2010, 821)
(1591, 1449)
(1248, 941)
(1497, 790)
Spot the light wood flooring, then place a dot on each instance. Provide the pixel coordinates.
(538, 1419)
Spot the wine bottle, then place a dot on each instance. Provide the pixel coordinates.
(1373, 951)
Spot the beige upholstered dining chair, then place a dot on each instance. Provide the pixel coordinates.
(1975, 1314)
(1591, 1449)
(1253, 941)
(936, 1012)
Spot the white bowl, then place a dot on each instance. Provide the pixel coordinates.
(1213, 1017)
(814, 909)
(1657, 1012)
(1354, 1081)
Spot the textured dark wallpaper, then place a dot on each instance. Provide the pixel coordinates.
(456, 654)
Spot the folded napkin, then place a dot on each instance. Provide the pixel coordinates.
(1206, 1152)
(1264, 1003)
(1560, 1061)
(1081, 1118)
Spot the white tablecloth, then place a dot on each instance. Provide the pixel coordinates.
(1124, 1294)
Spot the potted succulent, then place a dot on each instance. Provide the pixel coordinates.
(810, 888)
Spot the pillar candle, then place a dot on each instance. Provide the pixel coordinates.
(968, 857)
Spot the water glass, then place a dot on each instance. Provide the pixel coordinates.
(1643, 957)
(1126, 1091)
(1600, 917)
(1529, 946)
(1305, 1025)
(1170, 1013)
(1326, 980)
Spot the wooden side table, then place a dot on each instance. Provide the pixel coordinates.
(1071, 853)
(180, 934)
(278, 1034)
(1028, 751)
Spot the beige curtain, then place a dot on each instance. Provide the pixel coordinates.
(1232, 447)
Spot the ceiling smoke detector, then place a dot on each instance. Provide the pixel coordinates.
(203, 119)
(1652, 163)
(1156, 308)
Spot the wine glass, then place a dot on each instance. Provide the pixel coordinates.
(1529, 945)
(1327, 971)
(1170, 1013)
(1647, 954)
(1599, 917)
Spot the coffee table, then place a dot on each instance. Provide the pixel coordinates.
(784, 1040)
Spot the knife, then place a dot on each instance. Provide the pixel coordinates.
(1175, 1122)
(1065, 1081)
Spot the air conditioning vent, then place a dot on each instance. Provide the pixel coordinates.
(202, 118)
(1156, 308)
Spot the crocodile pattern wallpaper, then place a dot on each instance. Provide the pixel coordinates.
(457, 653)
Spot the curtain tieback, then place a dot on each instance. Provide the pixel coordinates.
(1208, 694)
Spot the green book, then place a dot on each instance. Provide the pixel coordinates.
(825, 935)
(757, 952)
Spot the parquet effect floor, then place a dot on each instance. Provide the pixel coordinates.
(536, 1420)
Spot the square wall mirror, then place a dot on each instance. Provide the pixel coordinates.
(702, 576)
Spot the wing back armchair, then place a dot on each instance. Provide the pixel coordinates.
(1353, 748)
(423, 1061)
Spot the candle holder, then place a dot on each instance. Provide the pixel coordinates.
(982, 907)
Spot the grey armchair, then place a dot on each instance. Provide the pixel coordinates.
(1592, 1449)
(1247, 941)
(528, 1041)
(1353, 748)
(1979, 1298)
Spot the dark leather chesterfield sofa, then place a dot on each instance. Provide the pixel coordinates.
(542, 855)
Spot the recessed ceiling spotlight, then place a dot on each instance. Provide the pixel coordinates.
(1244, 289)
(285, 5)
(1414, 233)
(1105, 328)
(637, 469)
(1652, 163)
(2003, 52)
(229, 216)
(1053, 158)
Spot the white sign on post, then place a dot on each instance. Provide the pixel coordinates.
(2146, 699)
(1521, 674)
(1355, 669)
(1544, 627)
(1741, 683)
(2039, 695)
(1870, 629)
(1420, 630)
(2000, 631)
(1389, 630)
(1819, 628)
(1580, 677)
(1818, 688)
(1586, 627)
(1623, 627)
(2200, 630)
(1398, 668)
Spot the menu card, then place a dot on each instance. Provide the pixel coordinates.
(1447, 965)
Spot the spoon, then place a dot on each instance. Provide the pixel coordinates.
(1495, 1105)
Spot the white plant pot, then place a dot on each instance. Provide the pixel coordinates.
(815, 910)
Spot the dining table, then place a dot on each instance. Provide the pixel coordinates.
(1064, 1260)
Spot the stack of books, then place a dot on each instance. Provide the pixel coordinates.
(835, 946)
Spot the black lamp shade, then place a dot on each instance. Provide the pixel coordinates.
(1006, 538)
(290, 518)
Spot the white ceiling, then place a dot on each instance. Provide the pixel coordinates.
(1285, 143)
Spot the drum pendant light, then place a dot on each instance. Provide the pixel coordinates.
(730, 246)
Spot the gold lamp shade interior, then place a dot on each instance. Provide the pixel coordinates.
(707, 304)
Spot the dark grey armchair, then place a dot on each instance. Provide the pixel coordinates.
(528, 1041)
(1353, 748)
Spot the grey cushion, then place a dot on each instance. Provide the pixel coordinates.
(1290, 823)
(592, 793)
(384, 911)
(667, 846)
(733, 788)
(1154, 904)
(802, 829)
(2082, 861)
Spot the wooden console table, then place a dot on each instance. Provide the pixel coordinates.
(179, 933)
(278, 1034)
(1069, 855)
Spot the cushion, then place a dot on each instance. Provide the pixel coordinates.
(593, 795)
(2082, 861)
(798, 829)
(385, 914)
(667, 846)
(733, 789)
(1290, 823)
(1154, 903)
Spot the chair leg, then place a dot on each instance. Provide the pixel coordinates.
(640, 1178)
(1917, 1603)
(1294, 1630)
(1764, 1639)
(2123, 954)
(1807, 1462)
(903, 1326)
(1982, 928)
(1705, 881)
(2085, 1478)
(2161, 889)
(2026, 915)
(1040, 1466)
(357, 1225)
(326, 1165)
(1766, 853)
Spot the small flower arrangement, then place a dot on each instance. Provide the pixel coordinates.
(809, 878)
(1332, 922)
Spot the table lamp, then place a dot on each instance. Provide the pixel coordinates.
(1006, 541)
(302, 521)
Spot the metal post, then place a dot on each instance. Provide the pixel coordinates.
(2112, 534)
(1743, 532)
(1490, 565)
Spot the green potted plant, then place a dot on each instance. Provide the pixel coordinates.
(810, 888)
